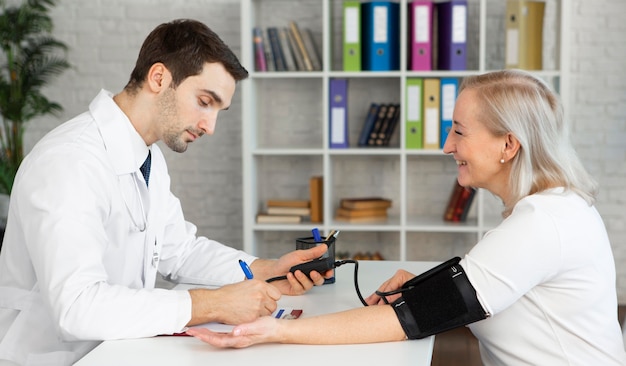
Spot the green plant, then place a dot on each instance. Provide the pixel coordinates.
(31, 58)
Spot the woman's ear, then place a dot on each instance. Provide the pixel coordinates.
(511, 147)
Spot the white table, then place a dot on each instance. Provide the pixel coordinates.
(171, 351)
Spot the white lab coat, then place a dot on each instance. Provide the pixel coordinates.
(76, 267)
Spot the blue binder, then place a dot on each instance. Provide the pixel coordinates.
(449, 91)
(380, 25)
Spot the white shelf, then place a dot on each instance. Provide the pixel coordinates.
(285, 133)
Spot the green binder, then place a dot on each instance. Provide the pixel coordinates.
(351, 36)
(414, 113)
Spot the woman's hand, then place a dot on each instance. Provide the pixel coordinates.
(391, 284)
(262, 330)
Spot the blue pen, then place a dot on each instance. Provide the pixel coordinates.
(246, 269)
(316, 235)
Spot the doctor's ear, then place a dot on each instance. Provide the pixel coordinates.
(158, 77)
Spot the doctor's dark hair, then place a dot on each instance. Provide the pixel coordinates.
(514, 101)
(183, 46)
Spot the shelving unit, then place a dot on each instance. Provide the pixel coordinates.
(286, 135)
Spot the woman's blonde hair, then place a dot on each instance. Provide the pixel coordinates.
(514, 101)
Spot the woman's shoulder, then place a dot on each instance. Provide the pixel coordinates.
(557, 197)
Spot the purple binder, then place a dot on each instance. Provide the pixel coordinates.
(338, 93)
(452, 35)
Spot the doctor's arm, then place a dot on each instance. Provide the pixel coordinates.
(233, 304)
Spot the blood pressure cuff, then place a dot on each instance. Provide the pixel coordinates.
(438, 300)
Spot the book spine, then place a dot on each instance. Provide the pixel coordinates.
(297, 55)
(288, 203)
(457, 190)
(392, 126)
(387, 124)
(462, 204)
(269, 57)
(279, 61)
(297, 36)
(382, 113)
(316, 189)
(467, 204)
(368, 125)
(290, 63)
(259, 50)
(312, 50)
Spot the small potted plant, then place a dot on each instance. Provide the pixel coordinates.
(30, 57)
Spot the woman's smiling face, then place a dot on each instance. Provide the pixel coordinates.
(476, 150)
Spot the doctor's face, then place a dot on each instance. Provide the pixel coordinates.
(190, 110)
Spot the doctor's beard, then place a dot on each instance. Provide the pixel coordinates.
(168, 119)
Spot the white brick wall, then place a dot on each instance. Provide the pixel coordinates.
(598, 111)
(104, 38)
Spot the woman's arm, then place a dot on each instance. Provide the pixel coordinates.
(369, 324)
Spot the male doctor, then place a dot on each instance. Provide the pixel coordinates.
(92, 218)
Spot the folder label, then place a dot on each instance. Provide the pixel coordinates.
(448, 94)
(431, 128)
(338, 116)
(512, 54)
(422, 24)
(414, 93)
(380, 24)
(352, 25)
(459, 17)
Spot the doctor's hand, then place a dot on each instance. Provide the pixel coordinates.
(394, 283)
(298, 283)
(233, 304)
(262, 330)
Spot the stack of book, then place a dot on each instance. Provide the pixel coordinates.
(379, 125)
(366, 209)
(295, 211)
(285, 212)
(459, 203)
(285, 49)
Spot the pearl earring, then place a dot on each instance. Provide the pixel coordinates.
(501, 161)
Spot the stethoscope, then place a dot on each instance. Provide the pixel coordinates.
(141, 227)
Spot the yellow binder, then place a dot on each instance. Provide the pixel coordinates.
(524, 34)
(432, 126)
